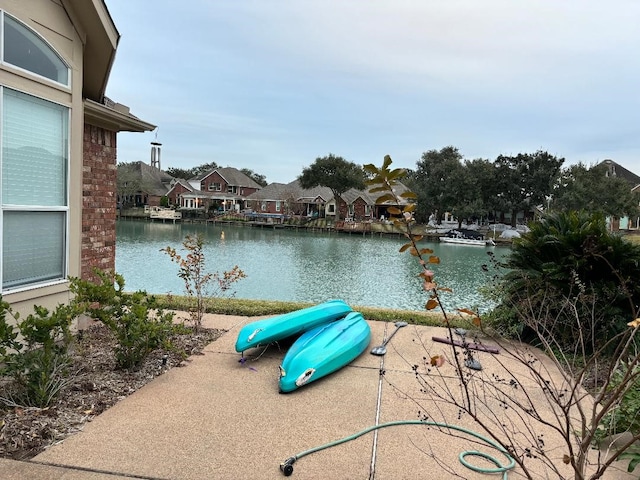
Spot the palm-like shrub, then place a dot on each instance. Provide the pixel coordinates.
(570, 267)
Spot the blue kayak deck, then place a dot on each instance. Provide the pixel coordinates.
(269, 330)
(324, 350)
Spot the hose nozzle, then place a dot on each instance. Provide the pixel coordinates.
(286, 467)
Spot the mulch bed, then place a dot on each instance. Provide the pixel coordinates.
(94, 387)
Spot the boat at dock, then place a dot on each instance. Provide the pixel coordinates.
(324, 350)
(462, 236)
(269, 330)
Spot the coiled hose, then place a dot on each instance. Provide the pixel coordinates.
(287, 466)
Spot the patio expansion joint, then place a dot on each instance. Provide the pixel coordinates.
(94, 470)
(374, 448)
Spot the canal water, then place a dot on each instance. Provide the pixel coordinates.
(300, 265)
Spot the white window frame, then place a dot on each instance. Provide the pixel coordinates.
(11, 208)
(38, 76)
(36, 208)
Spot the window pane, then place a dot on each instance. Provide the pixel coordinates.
(25, 49)
(34, 151)
(33, 247)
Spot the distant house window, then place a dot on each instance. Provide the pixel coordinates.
(278, 202)
(215, 187)
(231, 189)
(242, 191)
(332, 208)
(263, 207)
(34, 213)
(25, 49)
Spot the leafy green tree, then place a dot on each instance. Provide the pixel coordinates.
(259, 179)
(483, 173)
(593, 190)
(184, 173)
(525, 180)
(473, 190)
(437, 181)
(187, 173)
(335, 173)
(204, 168)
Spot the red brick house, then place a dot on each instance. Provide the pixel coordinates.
(292, 199)
(177, 189)
(220, 189)
(286, 199)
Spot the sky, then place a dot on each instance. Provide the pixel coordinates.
(271, 85)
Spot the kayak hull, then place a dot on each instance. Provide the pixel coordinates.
(323, 350)
(269, 330)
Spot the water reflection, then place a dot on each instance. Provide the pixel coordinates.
(302, 266)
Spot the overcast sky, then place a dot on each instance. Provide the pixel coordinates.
(271, 85)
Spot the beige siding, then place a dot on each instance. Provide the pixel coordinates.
(49, 19)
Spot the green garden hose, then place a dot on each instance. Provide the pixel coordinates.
(287, 466)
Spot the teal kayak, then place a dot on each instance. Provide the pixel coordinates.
(323, 350)
(269, 330)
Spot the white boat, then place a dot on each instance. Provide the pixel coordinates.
(465, 237)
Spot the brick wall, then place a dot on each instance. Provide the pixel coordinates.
(98, 201)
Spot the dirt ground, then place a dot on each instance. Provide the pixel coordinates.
(95, 386)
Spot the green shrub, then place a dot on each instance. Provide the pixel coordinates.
(569, 266)
(633, 455)
(625, 417)
(34, 354)
(134, 318)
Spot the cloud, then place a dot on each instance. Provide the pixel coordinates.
(280, 82)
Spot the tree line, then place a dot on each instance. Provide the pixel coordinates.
(444, 181)
(472, 189)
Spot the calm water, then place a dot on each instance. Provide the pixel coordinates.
(302, 266)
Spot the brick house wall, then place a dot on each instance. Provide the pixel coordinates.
(175, 192)
(215, 177)
(98, 245)
(153, 200)
(272, 207)
(343, 209)
(246, 191)
(210, 180)
(359, 207)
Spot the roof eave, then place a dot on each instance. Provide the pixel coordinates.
(111, 119)
(100, 36)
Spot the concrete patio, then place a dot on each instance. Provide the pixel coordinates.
(216, 418)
